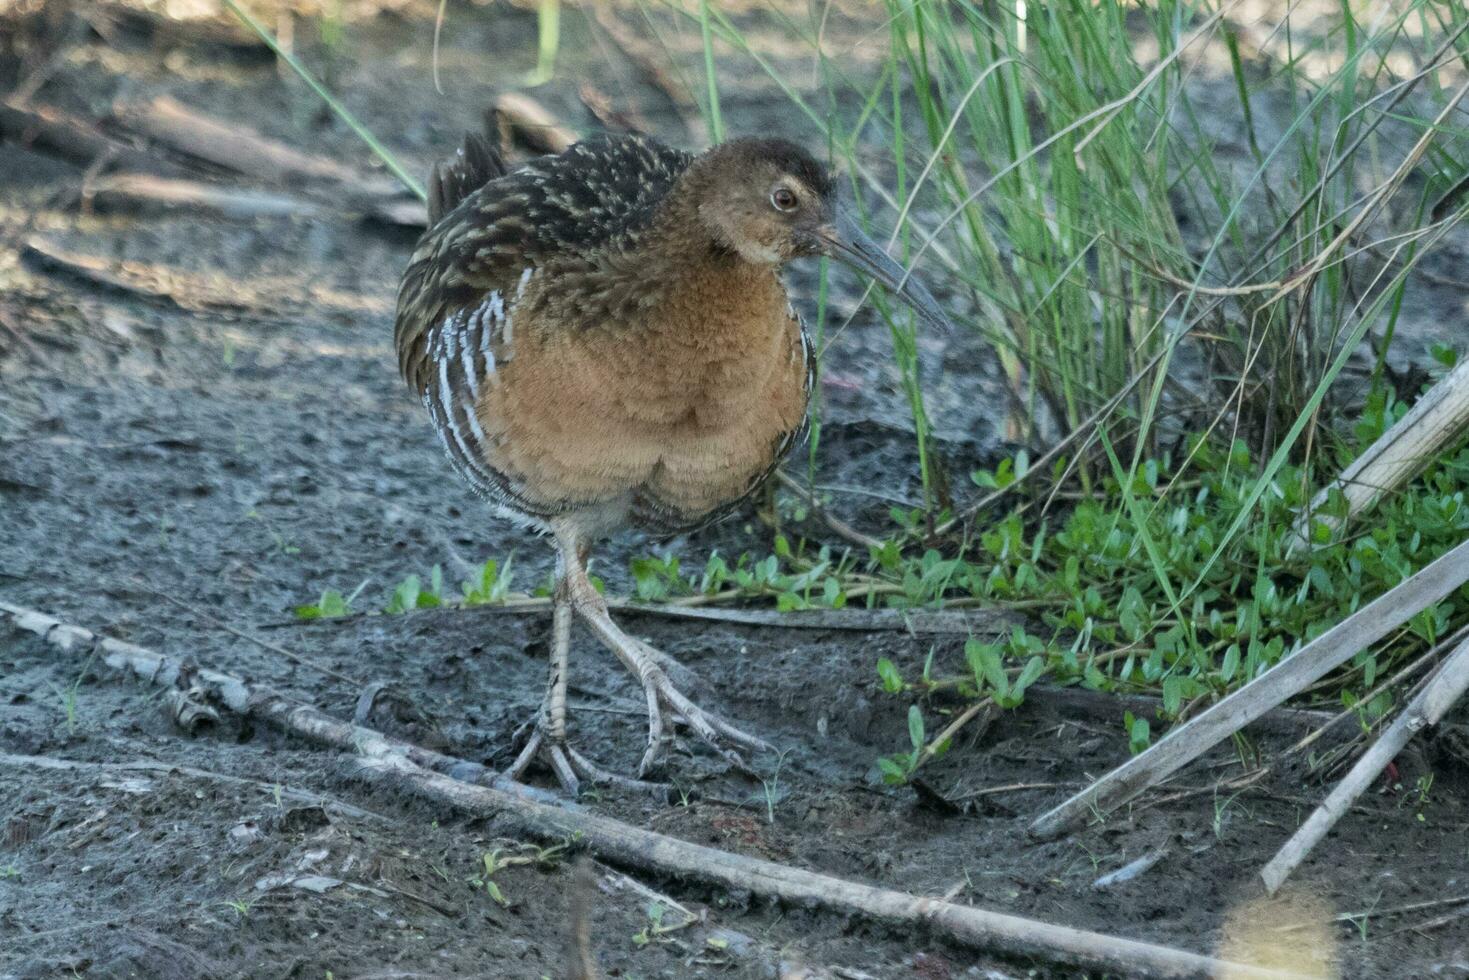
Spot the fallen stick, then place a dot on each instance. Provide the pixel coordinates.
(381, 761)
(238, 148)
(263, 299)
(184, 291)
(145, 192)
(1314, 660)
(1437, 419)
(224, 38)
(520, 117)
(599, 104)
(619, 843)
(1443, 689)
(655, 63)
(919, 622)
(135, 191)
(1418, 665)
(260, 703)
(71, 138)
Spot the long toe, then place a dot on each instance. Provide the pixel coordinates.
(572, 769)
(667, 705)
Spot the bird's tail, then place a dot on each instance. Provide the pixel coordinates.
(475, 164)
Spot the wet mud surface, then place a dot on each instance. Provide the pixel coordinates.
(227, 447)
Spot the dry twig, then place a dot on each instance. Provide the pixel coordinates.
(71, 138)
(1329, 650)
(1443, 689)
(260, 703)
(1435, 420)
(519, 117)
(391, 765)
(147, 191)
(238, 149)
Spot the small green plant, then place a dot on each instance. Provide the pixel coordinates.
(899, 767)
(241, 907)
(514, 854)
(1222, 808)
(331, 604)
(488, 883)
(770, 788)
(1421, 796)
(68, 695)
(652, 930)
(1139, 732)
(986, 660)
(793, 577)
(9, 871)
(490, 585)
(659, 926)
(411, 593)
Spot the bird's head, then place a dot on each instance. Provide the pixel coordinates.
(769, 201)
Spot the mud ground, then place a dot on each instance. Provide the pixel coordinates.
(238, 441)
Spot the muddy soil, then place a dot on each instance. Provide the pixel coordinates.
(236, 441)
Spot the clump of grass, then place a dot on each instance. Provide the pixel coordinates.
(1188, 321)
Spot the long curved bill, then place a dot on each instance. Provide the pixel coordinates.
(846, 242)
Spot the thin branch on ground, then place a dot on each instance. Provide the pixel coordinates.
(1187, 742)
(260, 703)
(1443, 690)
(378, 760)
(841, 527)
(961, 620)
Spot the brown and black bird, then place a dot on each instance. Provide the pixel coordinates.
(602, 339)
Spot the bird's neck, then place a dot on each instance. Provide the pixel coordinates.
(678, 238)
(674, 263)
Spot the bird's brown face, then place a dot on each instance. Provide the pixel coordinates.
(767, 213)
(772, 203)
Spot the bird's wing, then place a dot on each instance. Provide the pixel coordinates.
(597, 195)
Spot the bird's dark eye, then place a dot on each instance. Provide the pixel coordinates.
(783, 198)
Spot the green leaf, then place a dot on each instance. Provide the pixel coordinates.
(988, 667)
(1230, 666)
(915, 727)
(1172, 694)
(330, 604)
(1139, 733)
(892, 681)
(893, 772)
(1032, 671)
(495, 894)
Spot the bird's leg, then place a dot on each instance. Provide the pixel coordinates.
(548, 737)
(645, 663)
(548, 732)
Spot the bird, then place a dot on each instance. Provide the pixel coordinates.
(603, 339)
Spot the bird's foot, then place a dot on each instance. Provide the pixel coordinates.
(666, 703)
(570, 766)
